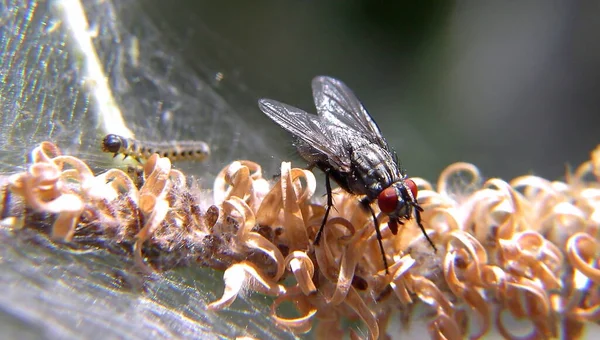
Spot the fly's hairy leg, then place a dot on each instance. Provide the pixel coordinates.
(366, 204)
(329, 205)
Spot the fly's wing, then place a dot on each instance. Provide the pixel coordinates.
(308, 128)
(337, 104)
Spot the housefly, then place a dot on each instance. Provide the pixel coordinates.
(345, 143)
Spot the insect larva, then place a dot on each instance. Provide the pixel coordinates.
(138, 150)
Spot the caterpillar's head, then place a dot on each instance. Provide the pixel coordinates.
(112, 143)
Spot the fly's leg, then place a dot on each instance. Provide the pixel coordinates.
(366, 204)
(329, 205)
(418, 211)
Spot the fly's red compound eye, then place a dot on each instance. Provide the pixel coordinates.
(413, 187)
(388, 200)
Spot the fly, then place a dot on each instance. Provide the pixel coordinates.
(345, 143)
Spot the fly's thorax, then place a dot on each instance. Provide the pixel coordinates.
(374, 169)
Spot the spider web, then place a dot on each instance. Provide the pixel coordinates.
(71, 72)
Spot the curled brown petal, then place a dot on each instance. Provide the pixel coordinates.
(478, 208)
(152, 202)
(34, 196)
(581, 172)
(238, 176)
(301, 324)
(354, 301)
(478, 303)
(157, 171)
(529, 243)
(44, 153)
(468, 292)
(326, 259)
(64, 225)
(510, 208)
(41, 183)
(309, 188)
(531, 248)
(121, 183)
(459, 238)
(589, 314)
(248, 220)
(328, 251)
(508, 192)
(429, 293)
(536, 304)
(422, 184)
(399, 270)
(444, 220)
(506, 334)
(429, 199)
(455, 285)
(493, 277)
(292, 215)
(596, 161)
(82, 173)
(533, 184)
(303, 269)
(351, 254)
(270, 208)
(590, 199)
(252, 239)
(543, 325)
(581, 249)
(154, 218)
(271, 205)
(444, 327)
(236, 277)
(242, 179)
(333, 223)
(257, 241)
(177, 178)
(444, 180)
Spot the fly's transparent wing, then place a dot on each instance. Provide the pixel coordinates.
(337, 104)
(308, 128)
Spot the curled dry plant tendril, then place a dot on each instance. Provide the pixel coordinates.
(525, 249)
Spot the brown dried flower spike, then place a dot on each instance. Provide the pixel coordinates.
(525, 249)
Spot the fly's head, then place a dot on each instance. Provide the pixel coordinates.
(398, 201)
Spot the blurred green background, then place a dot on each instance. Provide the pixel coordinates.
(509, 86)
